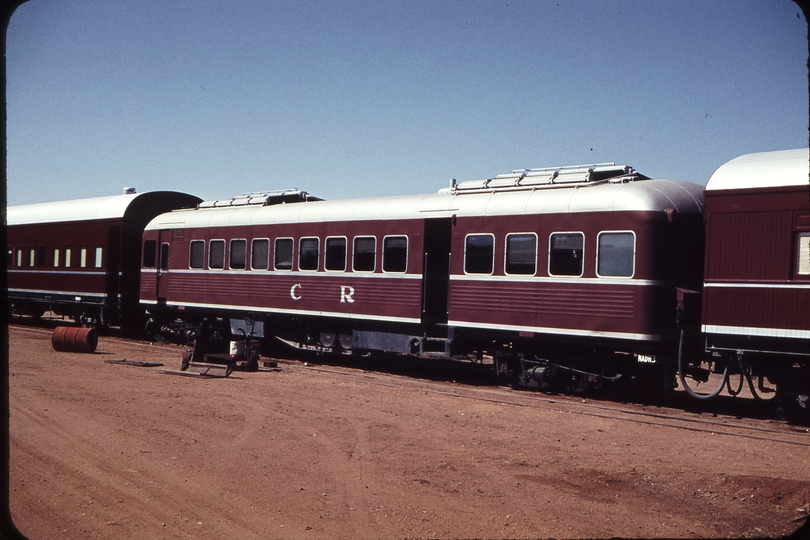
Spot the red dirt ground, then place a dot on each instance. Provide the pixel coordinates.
(100, 450)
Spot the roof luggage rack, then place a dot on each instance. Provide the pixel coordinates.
(548, 177)
(262, 198)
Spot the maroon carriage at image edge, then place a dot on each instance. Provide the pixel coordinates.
(572, 271)
(81, 258)
(756, 292)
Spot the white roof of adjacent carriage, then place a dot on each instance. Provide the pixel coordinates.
(763, 169)
(654, 195)
(95, 208)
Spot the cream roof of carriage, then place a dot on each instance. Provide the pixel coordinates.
(531, 191)
(763, 169)
(95, 208)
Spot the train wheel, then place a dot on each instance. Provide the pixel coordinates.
(795, 398)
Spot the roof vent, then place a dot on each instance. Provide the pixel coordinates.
(262, 198)
(129, 190)
(549, 177)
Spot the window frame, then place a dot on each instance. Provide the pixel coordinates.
(407, 253)
(800, 235)
(285, 239)
(191, 245)
(317, 252)
(98, 257)
(598, 254)
(326, 257)
(253, 252)
(506, 253)
(211, 244)
(492, 263)
(354, 253)
(550, 252)
(82, 256)
(244, 261)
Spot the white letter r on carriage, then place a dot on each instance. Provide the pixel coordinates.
(346, 293)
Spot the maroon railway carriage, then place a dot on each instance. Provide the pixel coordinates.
(756, 296)
(81, 258)
(525, 266)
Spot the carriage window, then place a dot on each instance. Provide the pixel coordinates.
(149, 252)
(284, 254)
(395, 254)
(216, 254)
(10, 258)
(164, 256)
(479, 251)
(196, 254)
(615, 254)
(521, 254)
(260, 254)
(565, 254)
(55, 257)
(308, 254)
(68, 251)
(82, 257)
(365, 251)
(803, 254)
(335, 254)
(97, 260)
(19, 257)
(238, 258)
(32, 254)
(41, 256)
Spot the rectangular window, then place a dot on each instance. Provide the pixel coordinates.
(479, 253)
(149, 254)
(19, 257)
(260, 254)
(803, 254)
(283, 258)
(365, 253)
(335, 254)
(56, 257)
(10, 258)
(521, 254)
(565, 254)
(196, 254)
(68, 252)
(238, 256)
(82, 257)
(216, 254)
(164, 256)
(98, 258)
(41, 256)
(615, 254)
(395, 254)
(308, 254)
(32, 257)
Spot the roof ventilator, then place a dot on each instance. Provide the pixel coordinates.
(549, 177)
(262, 198)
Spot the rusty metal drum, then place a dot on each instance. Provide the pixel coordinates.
(74, 339)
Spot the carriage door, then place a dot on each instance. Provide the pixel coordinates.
(436, 270)
(112, 286)
(165, 239)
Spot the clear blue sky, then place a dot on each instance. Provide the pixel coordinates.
(386, 97)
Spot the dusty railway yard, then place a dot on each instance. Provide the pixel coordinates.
(338, 450)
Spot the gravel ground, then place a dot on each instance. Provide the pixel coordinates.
(104, 450)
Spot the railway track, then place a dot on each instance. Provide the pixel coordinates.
(473, 382)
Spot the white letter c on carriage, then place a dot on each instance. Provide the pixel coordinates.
(292, 291)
